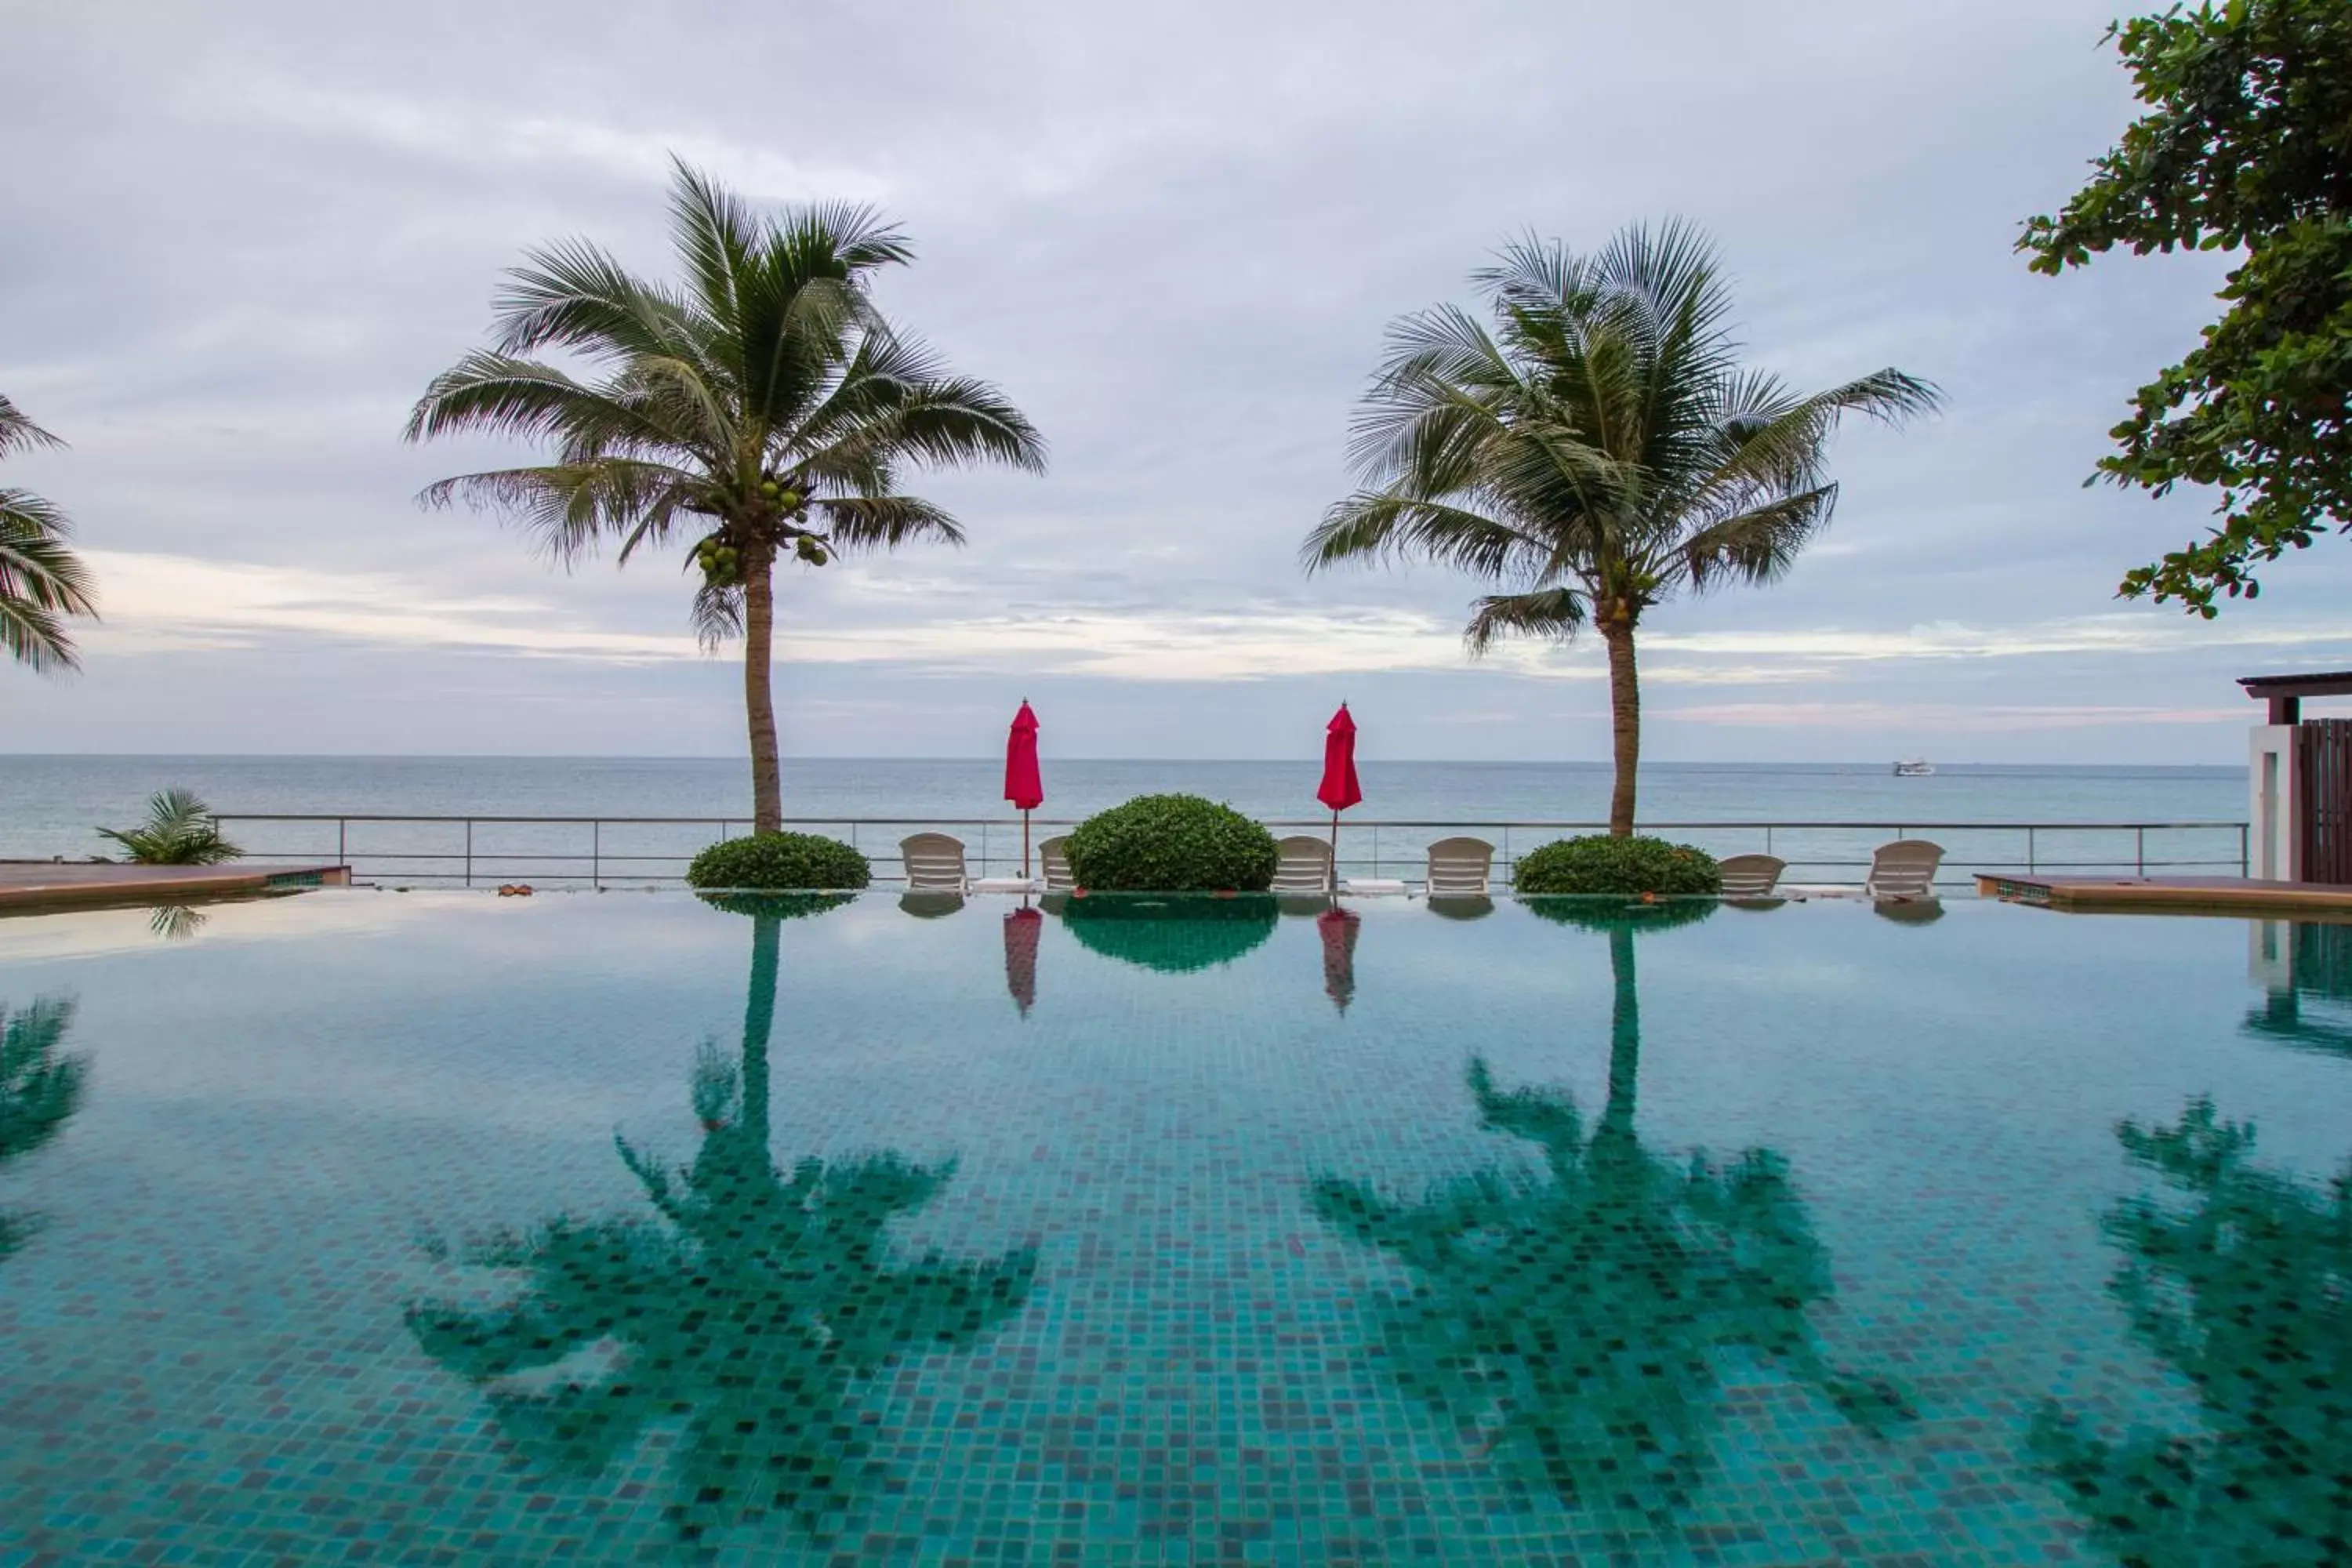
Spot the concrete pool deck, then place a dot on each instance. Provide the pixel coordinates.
(31, 885)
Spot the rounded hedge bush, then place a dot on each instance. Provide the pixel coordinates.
(797, 861)
(1171, 843)
(1601, 864)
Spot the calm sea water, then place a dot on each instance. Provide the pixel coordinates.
(53, 801)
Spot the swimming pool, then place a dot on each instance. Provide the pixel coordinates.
(407, 1228)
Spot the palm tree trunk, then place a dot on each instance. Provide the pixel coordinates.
(759, 691)
(1625, 720)
(1624, 1032)
(758, 1022)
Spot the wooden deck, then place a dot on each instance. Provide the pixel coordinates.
(2171, 895)
(27, 886)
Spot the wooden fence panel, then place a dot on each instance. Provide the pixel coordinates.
(2323, 756)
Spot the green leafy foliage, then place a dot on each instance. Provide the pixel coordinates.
(1176, 935)
(761, 397)
(2247, 145)
(787, 861)
(1171, 843)
(42, 580)
(1601, 863)
(179, 831)
(1598, 450)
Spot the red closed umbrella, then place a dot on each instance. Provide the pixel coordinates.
(1022, 787)
(1339, 789)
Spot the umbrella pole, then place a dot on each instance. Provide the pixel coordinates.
(1025, 843)
(1335, 853)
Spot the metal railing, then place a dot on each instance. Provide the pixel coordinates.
(638, 851)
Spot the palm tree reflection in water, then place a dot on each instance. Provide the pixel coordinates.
(1571, 1322)
(41, 1089)
(2246, 1289)
(749, 1320)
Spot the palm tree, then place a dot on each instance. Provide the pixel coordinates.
(42, 580)
(1598, 451)
(763, 408)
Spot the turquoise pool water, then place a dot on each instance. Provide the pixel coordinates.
(439, 1228)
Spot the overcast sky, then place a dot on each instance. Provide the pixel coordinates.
(240, 237)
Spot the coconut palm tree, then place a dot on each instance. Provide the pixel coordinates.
(761, 409)
(42, 580)
(1598, 451)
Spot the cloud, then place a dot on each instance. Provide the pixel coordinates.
(1174, 235)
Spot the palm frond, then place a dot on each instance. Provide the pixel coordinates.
(569, 507)
(716, 616)
(42, 583)
(1558, 614)
(1758, 545)
(578, 295)
(1382, 524)
(180, 830)
(18, 432)
(885, 522)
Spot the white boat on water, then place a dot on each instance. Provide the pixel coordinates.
(1916, 768)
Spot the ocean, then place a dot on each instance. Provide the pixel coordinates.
(53, 801)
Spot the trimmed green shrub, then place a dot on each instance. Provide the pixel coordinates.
(1174, 936)
(795, 862)
(1601, 864)
(1171, 843)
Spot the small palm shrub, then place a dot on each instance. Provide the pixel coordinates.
(1601, 863)
(179, 831)
(793, 861)
(1171, 843)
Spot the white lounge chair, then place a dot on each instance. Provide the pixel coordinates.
(1751, 876)
(1903, 870)
(1460, 869)
(1053, 860)
(934, 863)
(1304, 866)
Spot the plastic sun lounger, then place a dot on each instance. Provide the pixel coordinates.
(1304, 866)
(1460, 869)
(1903, 870)
(934, 863)
(1751, 876)
(1053, 860)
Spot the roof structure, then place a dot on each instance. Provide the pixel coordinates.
(2285, 693)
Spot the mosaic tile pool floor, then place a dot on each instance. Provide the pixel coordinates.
(363, 1227)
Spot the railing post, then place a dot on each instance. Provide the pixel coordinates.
(2139, 851)
(2029, 848)
(2245, 849)
(596, 854)
(470, 851)
(342, 856)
